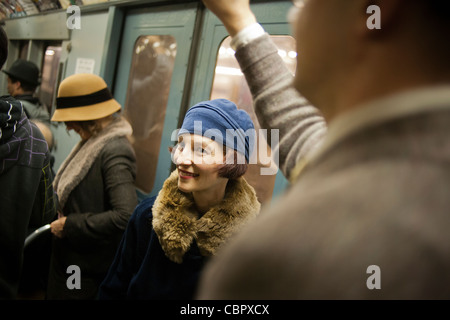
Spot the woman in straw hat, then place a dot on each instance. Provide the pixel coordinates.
(203, 203)
(95, 188)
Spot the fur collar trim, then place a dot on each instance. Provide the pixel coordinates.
(177, 223)
(79, 161)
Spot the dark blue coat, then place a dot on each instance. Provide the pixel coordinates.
(167, 242)
(141, 269)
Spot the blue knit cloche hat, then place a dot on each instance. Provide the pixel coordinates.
(221, 121)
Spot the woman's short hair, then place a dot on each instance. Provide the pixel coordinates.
(90, 126)
(233, 169)
(93, 127)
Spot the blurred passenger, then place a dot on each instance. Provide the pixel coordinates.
(203, 203)
(95, 187)
(368, 216)
(26, 196)
(23, 79)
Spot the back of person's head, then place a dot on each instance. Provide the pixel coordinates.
(3, 47)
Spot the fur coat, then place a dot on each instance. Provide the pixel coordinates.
(177, 223)
(167, 242)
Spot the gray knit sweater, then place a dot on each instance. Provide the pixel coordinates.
(278, 105)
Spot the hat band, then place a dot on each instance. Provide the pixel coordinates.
(84, 100)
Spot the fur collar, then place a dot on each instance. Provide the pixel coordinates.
(79, 161)
(177, 223)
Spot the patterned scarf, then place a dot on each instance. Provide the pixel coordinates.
(20, 140)
(10, 114)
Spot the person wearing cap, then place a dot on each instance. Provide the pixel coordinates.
(23, 79)
(200, 207)
(94, 184)
(27, 199)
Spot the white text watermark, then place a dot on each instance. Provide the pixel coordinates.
(251, 142)
(74, 20)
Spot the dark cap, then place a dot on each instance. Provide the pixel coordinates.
(24, 71)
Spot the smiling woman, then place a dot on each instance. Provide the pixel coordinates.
(203, 203)
(198, 162)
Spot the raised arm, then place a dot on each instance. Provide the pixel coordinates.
(278, 105)
(234, 14)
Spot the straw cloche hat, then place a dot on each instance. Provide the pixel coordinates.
(83, 97)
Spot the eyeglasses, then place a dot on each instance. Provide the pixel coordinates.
(298, 3)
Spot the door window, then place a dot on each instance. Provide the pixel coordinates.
(229, 83)
(49, 76)
(147, 95)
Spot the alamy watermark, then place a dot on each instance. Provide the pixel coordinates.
(74, 280)
(74, 18)
(374, 21)
(374, 280)
(252, 142)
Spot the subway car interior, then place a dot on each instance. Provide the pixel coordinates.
(375, 193)
(158, 59)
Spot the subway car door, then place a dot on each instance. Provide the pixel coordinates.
(218, 76)
(149, 83)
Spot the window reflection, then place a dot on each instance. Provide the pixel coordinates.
(230, 83)
(146, 102)
(49, 75)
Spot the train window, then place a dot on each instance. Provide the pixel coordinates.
(23, 49)
(49, 75)
(146, 102)
(229, 83)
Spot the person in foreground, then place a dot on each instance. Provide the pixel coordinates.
(366, 216)
(203, 204)
(27, 199)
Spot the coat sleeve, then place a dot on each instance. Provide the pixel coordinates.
(44, 205)
(119, 172)
(277, 103)
(129, 254)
